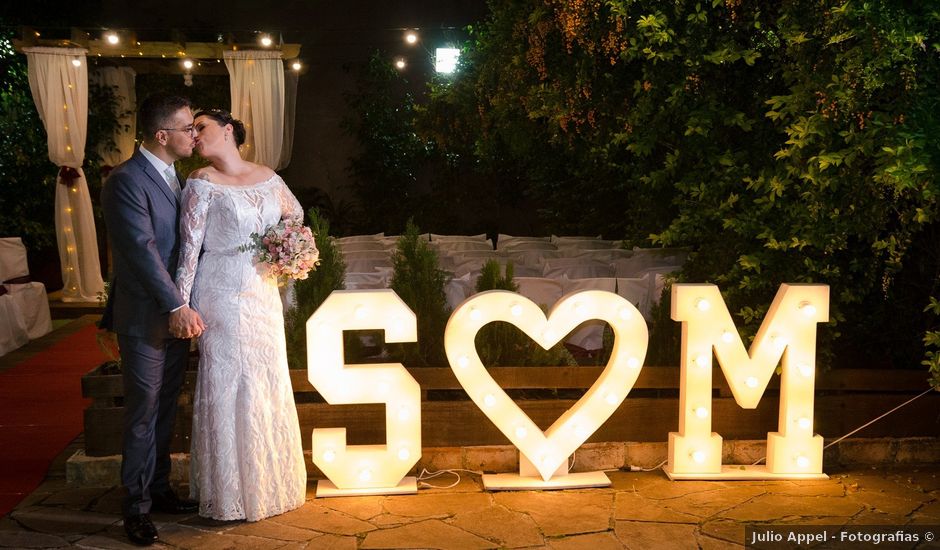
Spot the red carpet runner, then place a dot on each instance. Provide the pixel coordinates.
(41, 408)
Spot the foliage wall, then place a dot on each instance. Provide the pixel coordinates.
(786, 141)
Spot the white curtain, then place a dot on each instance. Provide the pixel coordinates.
(290, 110)
(122, 80)
(58, 78)
(257, 87)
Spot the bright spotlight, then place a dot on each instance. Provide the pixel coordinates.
(411, 37)
(265, 40)
(400, 63)
(112, 38)
(187, 64)
(446, 60)
(296, 65)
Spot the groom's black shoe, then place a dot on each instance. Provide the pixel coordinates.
(140, 530)
(169, 503)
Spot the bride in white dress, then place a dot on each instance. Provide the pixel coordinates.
(247, 458)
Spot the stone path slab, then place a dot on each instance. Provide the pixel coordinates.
(640, 510)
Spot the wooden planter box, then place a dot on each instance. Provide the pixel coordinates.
(845, 399)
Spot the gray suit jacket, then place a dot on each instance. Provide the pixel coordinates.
(142, 217)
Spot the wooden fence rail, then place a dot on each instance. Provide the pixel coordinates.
(845, 399)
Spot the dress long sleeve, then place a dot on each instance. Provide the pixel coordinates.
(290, 206)
(194, 208)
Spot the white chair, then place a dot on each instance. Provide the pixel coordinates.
(639, 291)
(606, 255)
(461, 246)
(590, 334)
(25, 312)
(366, 261)
(556, 238)
(544, 292)
(644, 259)
(442, 238)
(459, 289)
(586, 244)
(372, 280)
(359, 238)
(361, 246)
(13, 332)
(576, 268)
(531, 258)
(516, 246)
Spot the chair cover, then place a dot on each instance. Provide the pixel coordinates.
(542, 291)
(371, 280)
(644, 259)
(13, 331)
(12, 259)
(361, 246)
(359, 238)
(435, 237)
(590, 334)
(459, 289)
(576, 268)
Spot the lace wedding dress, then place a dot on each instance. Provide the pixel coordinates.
(247, 460)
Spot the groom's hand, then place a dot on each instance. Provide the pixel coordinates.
(186, 323)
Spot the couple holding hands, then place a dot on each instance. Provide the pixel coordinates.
(180, 271)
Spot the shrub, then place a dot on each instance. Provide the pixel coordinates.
(312, 291)
(420, 283)
(502, 344)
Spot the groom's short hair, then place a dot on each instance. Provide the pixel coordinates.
(157, 110)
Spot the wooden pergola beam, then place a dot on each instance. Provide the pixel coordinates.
(130, 48)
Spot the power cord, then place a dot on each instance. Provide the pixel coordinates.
(831, 443)
(425, 474)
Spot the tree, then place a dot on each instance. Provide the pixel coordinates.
(782, 142)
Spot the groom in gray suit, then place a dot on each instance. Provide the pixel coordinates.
(141, 209)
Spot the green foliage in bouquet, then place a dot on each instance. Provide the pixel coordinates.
(502, 344)
(420, 283)
(312, 291)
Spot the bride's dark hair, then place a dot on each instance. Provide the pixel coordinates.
(224, 117)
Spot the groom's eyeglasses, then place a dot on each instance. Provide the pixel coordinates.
(191, 130)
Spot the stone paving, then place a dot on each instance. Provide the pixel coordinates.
(640, 510)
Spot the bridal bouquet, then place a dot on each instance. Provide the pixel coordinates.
(284, 251)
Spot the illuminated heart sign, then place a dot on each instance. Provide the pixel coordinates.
(547, 451)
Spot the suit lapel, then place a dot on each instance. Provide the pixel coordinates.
(155, 177)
